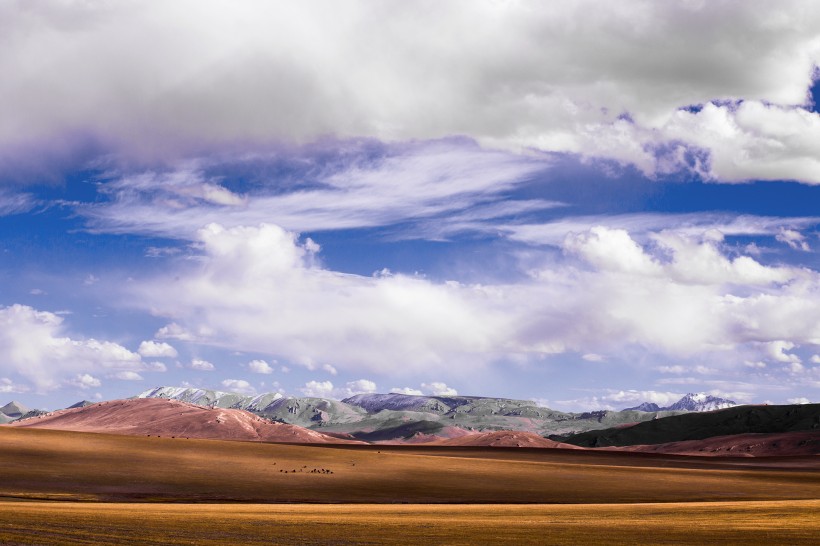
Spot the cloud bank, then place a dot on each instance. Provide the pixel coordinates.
(603, 80)
(260, 289)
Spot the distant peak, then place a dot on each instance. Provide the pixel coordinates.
(693, 401)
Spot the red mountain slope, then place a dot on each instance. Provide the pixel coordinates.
(167, 418)
(503, 438)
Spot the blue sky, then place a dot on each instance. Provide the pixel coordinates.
(574, 205)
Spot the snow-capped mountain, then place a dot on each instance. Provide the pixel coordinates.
(203, 397)
(701, 402)
(691, 402)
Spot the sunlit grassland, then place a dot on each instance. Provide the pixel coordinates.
(60, 487)
(751, 522)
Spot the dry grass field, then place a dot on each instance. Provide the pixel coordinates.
(778, 522)
(273, 493)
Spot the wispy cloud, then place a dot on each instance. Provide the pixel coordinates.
(427, 181)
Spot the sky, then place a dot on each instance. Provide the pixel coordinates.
(589, 205)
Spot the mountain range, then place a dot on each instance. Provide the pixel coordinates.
(455, 421)
(691, 402)
(377, 417)
(381, 417)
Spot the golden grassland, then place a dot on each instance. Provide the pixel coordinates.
(59, 487)
(749, 522)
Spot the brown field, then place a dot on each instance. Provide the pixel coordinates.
(778, 522)
(455, 495)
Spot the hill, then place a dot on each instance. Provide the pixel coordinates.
(171, 418)
(698, 426)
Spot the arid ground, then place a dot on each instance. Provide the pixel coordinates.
(114, 488)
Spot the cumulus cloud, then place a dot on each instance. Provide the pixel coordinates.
(174, 331)
(274, 299)
(84, 381)
(128, 376)
(437, 388)
(261, 289)
(815, 359)
(239, 386)
(325, 389)
(406, 390)
(318, 389)
(801, 400)
(752, 140)
(201, 365)
(37, 348)
(529, 75)
(156, 349)
(692, 260)
(260, 366)
(778, 351)
(636, 397)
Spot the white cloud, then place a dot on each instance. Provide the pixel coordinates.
(84, 381)
(794, 239)
(437, 388)
(777, 351)
(692, 260)
(15, 202)
(752, 141)
(360, 386)
(239, 386)
(796, 368)
(527, 75)
(155, 367)
(259, 366)
(815, 359)
(676, 296)
(635, 397)
(318, 389)
(201, 365)
(35, 346)
(406, 390)
(128, 376)
(8, 386)
(613, 250)
(801, 400)
(593, 357)
(156, 350)
(642, 225)
(174, 331)
(407, 182)
(330, 369)
(261, 285)
(325, 389)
